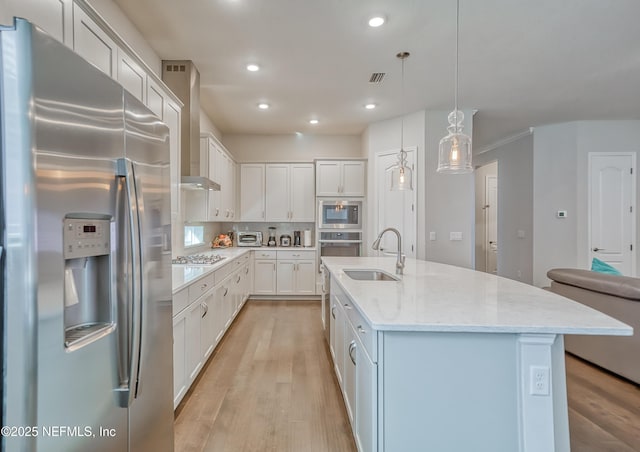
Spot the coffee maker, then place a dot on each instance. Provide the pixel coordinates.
(296, 238)
(272, 241)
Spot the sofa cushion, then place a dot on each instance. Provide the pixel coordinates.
(620, 286)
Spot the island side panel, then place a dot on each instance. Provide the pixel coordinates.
(449, 391)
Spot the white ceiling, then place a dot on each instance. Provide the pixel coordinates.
(523, 63)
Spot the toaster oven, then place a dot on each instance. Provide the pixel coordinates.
(246, 238)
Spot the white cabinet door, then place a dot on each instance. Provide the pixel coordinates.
(277, 192)
(349, 376)
(252, 177)
(180, 374)
(328, 178)
(340, 178)
(286, 277)
(305, 277)
(338, 340)
(155, 98)
(131, 76)
(92, 43)
(194, 352)
(208, 330)
(264, 277)
(233, 198)
(54, 16)
(366, 428)
(353, 178)
(303, 194)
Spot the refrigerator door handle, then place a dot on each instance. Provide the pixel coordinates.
(130, 350)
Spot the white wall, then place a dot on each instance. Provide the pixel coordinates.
(560, 183)
(5, 16)
(291, 148)
(206, 126)
(385, 136)
(450, 199)
(515, 206)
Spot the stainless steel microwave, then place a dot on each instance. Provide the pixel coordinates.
(339, 214)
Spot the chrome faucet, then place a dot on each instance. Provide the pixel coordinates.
(401, 257)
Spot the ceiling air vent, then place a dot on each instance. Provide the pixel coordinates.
(376, 77)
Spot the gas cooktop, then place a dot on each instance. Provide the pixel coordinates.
(198, 259)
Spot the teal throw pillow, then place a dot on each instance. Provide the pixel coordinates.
(598, 266)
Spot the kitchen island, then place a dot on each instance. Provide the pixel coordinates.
(450, 359)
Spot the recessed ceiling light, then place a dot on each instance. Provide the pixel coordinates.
(313, 121)
(370, 106)
(263, 106)
(376, 21)
(253, 67)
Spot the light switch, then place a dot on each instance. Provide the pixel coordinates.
(432, 235)
(455, 236)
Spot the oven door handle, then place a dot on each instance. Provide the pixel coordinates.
(339, 241)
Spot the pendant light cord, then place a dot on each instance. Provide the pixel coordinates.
(455, 91)
(402, 112)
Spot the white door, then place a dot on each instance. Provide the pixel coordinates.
(353, 175)
(252, 192)
(303, 192)
(396, 209)
(612, 210)
(328, 178)
(491, 224)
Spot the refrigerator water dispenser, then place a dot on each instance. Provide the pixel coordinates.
(88, 311)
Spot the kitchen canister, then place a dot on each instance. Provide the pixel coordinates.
(307, 238)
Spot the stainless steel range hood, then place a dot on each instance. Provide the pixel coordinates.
(183, 78)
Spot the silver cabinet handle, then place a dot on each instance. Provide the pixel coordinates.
(217, 212)
(205, 307)
(361, 330)
(238, 280)
(226, 291)
(352, 349)
(246, 271)
(204, 286)
(596, 249)
(347, 306)
(333, 311)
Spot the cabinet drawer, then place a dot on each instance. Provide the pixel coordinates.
(180, 301)
(199, 287)
(365, 333)
(259, 255)
(297, 255)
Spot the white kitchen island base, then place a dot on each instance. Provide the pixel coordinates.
(451, 360)
(470, 392)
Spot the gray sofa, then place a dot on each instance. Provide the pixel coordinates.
(616, 296)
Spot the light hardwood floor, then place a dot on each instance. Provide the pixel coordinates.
(270, 387)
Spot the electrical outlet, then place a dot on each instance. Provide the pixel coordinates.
(539, 380)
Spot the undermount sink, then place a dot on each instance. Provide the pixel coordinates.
(370, 275)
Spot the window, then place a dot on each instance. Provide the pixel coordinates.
(193, 235)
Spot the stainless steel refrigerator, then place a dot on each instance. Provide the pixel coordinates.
(85, 237)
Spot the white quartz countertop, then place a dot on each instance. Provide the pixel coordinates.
(439, 297)
(185, 274)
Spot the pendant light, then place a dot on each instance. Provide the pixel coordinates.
(401, 173)
(454, 151)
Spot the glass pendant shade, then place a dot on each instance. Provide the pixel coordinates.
(401, 174)
(454, 152)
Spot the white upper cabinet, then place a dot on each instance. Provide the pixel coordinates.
(171, 116)
(340, 178)
(155, 98)
(278, 192)
(289, 192)
(54, 16)
(252, 192)
(218, 166)
(131, 76)
(93, 43)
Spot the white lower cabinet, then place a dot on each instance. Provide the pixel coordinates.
(352, 344)
(203, 311)
(180, 375)
(284, 272)
(264, 275)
